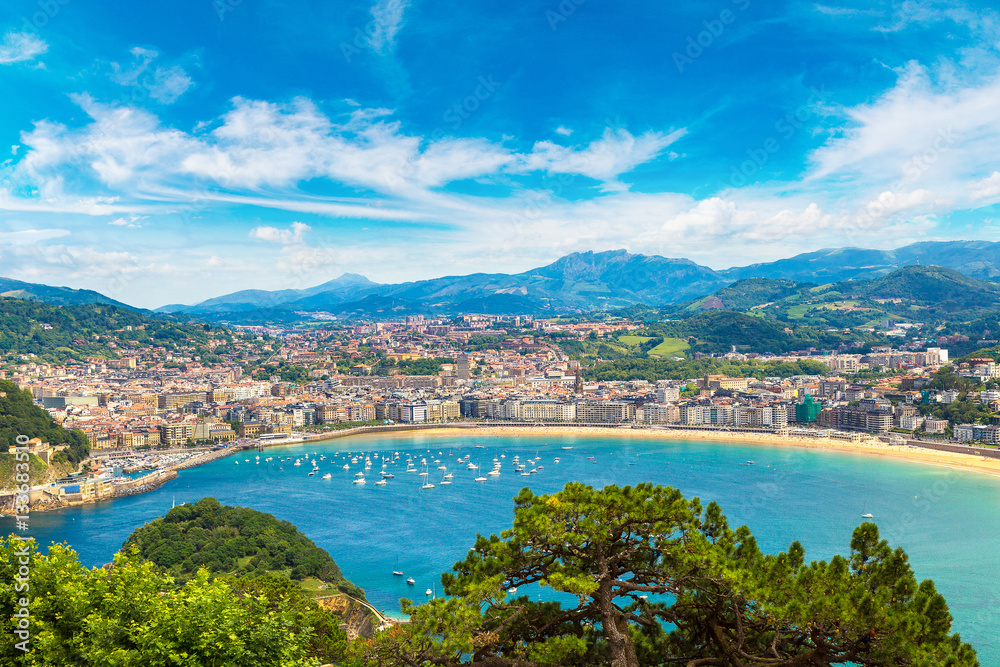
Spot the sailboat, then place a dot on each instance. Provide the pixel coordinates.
(397, 572)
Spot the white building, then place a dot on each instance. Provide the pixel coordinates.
(667, 393)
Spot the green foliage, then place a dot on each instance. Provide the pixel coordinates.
(981, 353)
(131, 614)
(36, 469)
(958, 412)
(479, 343)
(596, 348)
(293, 373)
(663, 369)
(24, 329)
(328, 641)
(234, 540)
(389, 366)
(20, 416)
(946, 290)
(668, 347)
(631, 340)
(945, 378)
(713, 597)
(749, 292)
(721, 330)
(928, 294)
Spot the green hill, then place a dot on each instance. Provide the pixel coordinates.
(937, 288)
(719, 331)
(911, 293)
(747, 294)
(20, 416)
(233, 540)
(57, 333)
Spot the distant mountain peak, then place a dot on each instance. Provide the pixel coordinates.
(343, 280)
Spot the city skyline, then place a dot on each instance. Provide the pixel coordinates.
(160, 158)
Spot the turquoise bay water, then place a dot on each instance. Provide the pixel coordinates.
(948, 521)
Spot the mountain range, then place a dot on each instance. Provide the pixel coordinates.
(592, 281)
(576, 282)
(57, 296)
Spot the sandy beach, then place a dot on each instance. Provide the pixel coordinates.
(958, 461)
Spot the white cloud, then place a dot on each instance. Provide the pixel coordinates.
(259, 153)
(987, 188)
(31, 236)
(131, 221)
(615, 153)
(121, 145)
(388, 15)
(18, 47)
(930, 12)
(165, 84)
(929, 132)
(563, 130)
(107, 271)
(265, 144)
(844, 11)
(168, 84)
(292, 236)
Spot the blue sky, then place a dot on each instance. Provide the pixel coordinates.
(174, 152)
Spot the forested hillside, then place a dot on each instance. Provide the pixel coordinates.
(57, 333)
(233, 540)
(20, 416)
(662, 369)
(918, 293)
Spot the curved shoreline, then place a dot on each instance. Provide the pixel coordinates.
(967, 462)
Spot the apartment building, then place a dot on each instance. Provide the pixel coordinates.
(666, 393)
(173, 401)
(605, 411)
(660, 413)
(176, 434)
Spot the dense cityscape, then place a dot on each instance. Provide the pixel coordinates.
(229, 391)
